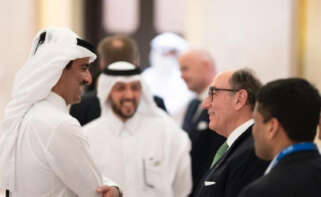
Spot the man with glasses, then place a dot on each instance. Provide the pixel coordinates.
(230, 104)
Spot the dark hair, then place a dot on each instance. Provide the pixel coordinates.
(295, 103)
(68, 66)
(245, 79)
(118, 48)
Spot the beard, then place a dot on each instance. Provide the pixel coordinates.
(125, 109)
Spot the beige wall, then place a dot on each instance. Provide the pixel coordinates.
(251, 33)
(19, 21)
(17, 28)
(312, 56)
(61, 13)
(312, 50)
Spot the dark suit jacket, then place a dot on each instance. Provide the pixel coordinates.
(235, 169)
(205, 143)
(296, 175)
(89, 108)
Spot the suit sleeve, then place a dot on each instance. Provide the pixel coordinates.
(69, 157)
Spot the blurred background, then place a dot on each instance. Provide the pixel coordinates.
(276, 38)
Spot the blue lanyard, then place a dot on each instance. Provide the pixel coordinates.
(291, 149)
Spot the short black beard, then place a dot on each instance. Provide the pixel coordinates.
(120, 113)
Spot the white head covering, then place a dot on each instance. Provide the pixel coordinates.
(169, 41)
(106, 81)
(52, 49)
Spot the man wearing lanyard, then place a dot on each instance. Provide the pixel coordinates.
(286, 118)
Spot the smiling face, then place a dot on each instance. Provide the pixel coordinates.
(220, 105)
(124, 99)
(72, 80)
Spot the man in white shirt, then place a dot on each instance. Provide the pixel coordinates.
(198, 70)
(44, 151)
(230, 102)
(150, 152)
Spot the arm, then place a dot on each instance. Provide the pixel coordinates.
(70, 160)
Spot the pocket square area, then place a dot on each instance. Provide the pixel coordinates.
(208, 183)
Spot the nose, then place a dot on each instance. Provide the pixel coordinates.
(87, 78)
(129, 93)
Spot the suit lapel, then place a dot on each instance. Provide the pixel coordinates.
(232, 149)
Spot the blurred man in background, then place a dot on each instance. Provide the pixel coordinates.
(198, 70)
(163, 76)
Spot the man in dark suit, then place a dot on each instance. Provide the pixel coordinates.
(286, 117)
(230, 103)
(111, 49)
(198, 69)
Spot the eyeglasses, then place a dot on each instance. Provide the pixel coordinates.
(213, 90)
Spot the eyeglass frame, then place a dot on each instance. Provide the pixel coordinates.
(212, 89)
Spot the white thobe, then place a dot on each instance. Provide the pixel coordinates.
(53, 159)
(150, 155)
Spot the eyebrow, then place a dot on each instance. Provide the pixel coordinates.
(86, 65)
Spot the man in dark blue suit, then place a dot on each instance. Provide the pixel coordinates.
(110, 49)
(230, 103)
(198, 70)
(286, 117)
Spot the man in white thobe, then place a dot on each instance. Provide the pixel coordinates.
(44, 152)
(150, 152)
(164, 77)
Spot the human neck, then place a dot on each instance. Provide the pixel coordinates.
(280, 145)
(56, 91)
(238, 121)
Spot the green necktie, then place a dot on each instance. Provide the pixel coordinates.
(219, 153)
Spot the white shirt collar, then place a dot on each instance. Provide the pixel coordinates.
(58, 101)
(238, 132)
(118, 126)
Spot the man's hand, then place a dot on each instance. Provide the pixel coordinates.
(108, 191)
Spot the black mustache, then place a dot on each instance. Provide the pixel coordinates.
(128, 100)
(84, 82)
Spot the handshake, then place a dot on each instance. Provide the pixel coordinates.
(109, 191)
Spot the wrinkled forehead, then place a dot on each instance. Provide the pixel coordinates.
(222, 80)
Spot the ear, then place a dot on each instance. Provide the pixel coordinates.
(240, 99)
(273, 129)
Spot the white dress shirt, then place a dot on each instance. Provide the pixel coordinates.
(52, 155)
(238, 132)
(147, 156)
